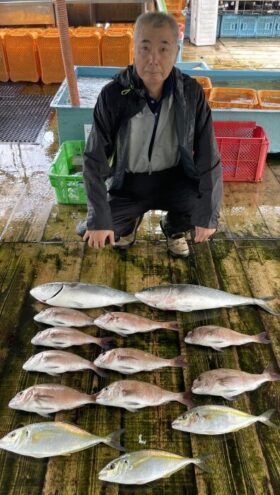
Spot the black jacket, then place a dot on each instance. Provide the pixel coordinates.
(117, 103)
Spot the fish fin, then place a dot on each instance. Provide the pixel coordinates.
(265, 418)
(217, 348)
(74, 304)
(51, 373)
(186, 398)
(200, 462)
(262, 338)
(262, 303)
(106, 342)
(170, 325)
(272, 375)
(98, 371)
(179, 361)
(228, 397)
(131, 409)
(44, 414)
(113, 440)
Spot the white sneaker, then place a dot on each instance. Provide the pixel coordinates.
(126, 241)
(177, 245)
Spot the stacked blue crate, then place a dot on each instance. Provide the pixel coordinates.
(249, 26)
(265, 25)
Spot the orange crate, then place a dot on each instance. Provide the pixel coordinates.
(4, 69)
(22, 56)
(269, 99)
(233, 98)
(86, 48)
(117, 49)
(174, 5)
(206, 84)
(52, 70)
(243, 147)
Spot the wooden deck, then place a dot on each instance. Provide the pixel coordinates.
(39, 244)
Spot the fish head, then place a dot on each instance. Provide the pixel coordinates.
(105, 321)
(189, 337)
(21, 398)
(116, 470)
(105, 358)
(186, 420)
(108, 395)
(202, 385)
(13, 440)
(32, 363)
(44, 316)
(45, 292)
(41, 337)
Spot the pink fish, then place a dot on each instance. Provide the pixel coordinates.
(62, 337)
(220, 337)
(127, 323)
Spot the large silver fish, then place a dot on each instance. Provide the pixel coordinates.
(144, 466)
(78, 295)
(220, 337)
(54, 438)
(129, 360)
(56, 362)
(48, 398)
(188, 297)
(228, 382)
(63, 337)
(133, 395)
(127, 323)
(217, 420)
(64, 317)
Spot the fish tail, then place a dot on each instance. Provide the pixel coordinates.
(263, 304)
(262, 338)
(170, 325)
(179, 362)
(98, 371)
(185, 398)
(106, 342)
(201, 462)
(265, 418)
(271, 374)
(113, 440)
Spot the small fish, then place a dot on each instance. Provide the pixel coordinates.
(220, 337)
(133, 395)
(127, 323)
(62, 337)
(48, 398)
(129, 360)
(144, 466)
(188, 297)
(56, 362)
(78, 295)
(228, 382)
(217, 420)
(54, 438)
(64, 317)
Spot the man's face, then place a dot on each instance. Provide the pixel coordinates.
(154, 55)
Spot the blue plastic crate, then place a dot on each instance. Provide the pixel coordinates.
(265, 25)
(247, 26)
(229, 26)
(276, 27)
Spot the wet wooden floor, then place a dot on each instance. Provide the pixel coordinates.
(39, 244)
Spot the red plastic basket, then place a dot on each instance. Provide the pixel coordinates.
(243, 147)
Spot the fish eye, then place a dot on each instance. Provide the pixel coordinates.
(20, 393)
(112, 466)
(12, 434)
(26, 433)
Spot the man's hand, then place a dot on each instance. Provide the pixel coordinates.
(98, 238)
(202, 234)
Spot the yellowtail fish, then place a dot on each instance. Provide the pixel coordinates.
(64, 317)
(217, 420)
(129, 360)
(127, 323)
(188, 297)
(133, 395)
(48, 398)
(63, 337)
(220, 337)
(144, 466)
(79, 295)
(54, 438)
(56, 362)
(228, 382)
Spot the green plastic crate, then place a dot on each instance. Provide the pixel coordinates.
(65, 173)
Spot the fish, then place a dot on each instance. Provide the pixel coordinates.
(220, 337)
(127, 323)
(229, 382)
(80, 296)
(54, 438)
(64, 317)
(56, 362)
(63, 337)
(133, 395)
(48, 398)
(144, 466)
(217, 420)
(188, 297)
(129, 360)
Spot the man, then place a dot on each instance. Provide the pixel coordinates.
(152, 143)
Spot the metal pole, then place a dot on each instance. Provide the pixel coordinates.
(63, 27)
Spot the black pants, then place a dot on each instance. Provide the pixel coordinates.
(168, 190)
